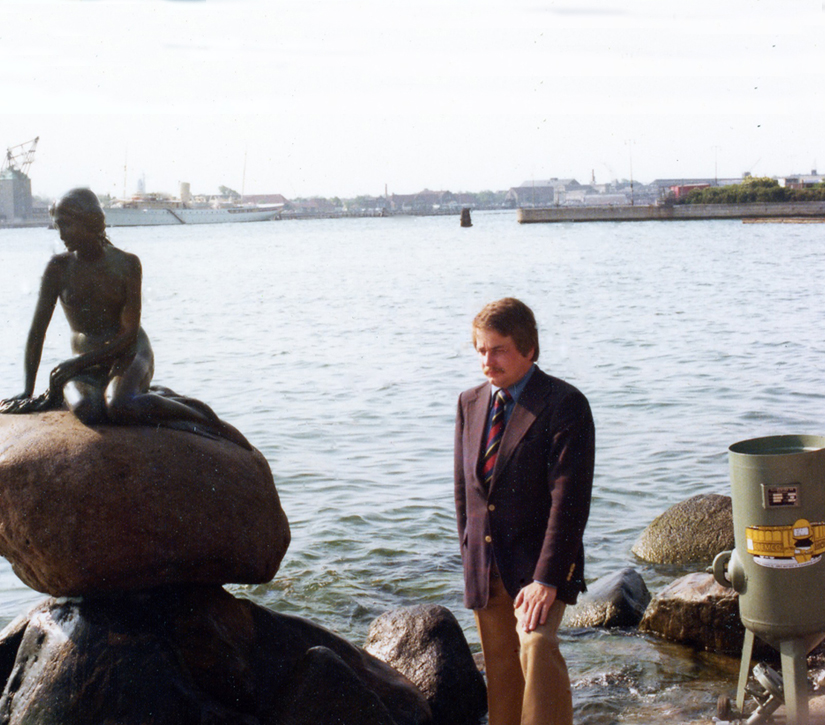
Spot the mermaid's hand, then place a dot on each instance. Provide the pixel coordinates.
(62, 374)
(50, 400)
(12, 405)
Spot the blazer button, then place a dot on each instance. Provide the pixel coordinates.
(491, 507)
(488, 539)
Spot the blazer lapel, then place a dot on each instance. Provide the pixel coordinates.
(477, 410)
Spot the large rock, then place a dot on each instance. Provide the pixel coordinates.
(191, 655)
(692, 531)
(90, 510)
(615, 600)
(696, 611)
(426, 644)
(324, 690)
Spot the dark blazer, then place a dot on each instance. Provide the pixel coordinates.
(532, 518)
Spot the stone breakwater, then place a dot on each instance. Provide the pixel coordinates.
(677, 212)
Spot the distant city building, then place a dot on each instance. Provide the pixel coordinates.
(680, 191)
(802, 181)
(569, 192)
(368, 204)
(15, 195)
(314, 207)
(466, 199)
(664, 186)
(573, 196)
(15, 185)
(423, 201)
(540, 192)
(606, 200)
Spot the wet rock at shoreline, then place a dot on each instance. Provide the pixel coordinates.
(692, 531)
(343, 698)
(191, 655)
(106, 509)
(426, 644)
(696, 611)
(615, 600)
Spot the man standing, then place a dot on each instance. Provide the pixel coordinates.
(524, 453)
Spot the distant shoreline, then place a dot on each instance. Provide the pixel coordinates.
(39, 223)
(26, 224)
(784, 212)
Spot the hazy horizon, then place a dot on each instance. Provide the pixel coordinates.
(325, 98)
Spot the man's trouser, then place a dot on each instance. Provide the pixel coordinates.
(527, 679)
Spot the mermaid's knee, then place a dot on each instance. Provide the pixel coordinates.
(89, 411)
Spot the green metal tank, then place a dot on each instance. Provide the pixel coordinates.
(777, 567)
(778, 497)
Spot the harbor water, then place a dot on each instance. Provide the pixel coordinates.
(339, 347)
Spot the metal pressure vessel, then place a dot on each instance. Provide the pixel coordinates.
(777, 567)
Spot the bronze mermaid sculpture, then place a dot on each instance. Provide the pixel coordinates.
(108, 379)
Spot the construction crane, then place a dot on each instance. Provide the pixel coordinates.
(20, 157)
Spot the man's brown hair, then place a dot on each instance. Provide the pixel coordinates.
(510, 317)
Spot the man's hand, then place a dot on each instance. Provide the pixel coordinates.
(536, 600)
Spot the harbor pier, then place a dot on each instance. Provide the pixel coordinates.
(675, 212)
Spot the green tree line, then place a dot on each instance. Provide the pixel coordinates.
(754, 189)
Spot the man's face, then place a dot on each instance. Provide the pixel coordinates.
(501, 362)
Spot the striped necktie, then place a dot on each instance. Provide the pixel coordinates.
(494, 435)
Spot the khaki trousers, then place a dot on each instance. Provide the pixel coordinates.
(527, 679)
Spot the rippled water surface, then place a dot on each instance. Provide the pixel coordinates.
(339, 348)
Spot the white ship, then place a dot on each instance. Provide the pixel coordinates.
(144, 210)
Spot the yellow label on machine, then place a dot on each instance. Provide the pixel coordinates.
(786, 547)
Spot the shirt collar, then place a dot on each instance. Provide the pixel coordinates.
(516, 389)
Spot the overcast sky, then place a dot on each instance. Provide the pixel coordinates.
(348, 97)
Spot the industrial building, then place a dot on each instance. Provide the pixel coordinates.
(15, 185)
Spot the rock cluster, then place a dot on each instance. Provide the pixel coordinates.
(191, 655)
(133, 530)
(693, 610)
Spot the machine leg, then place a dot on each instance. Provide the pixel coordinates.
(744, 669)
(793, 654)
